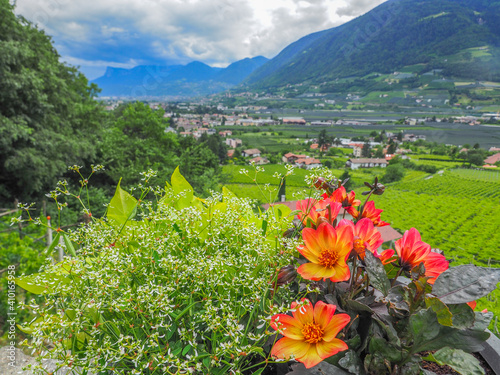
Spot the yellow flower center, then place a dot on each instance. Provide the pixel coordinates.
(359, 247)
(328, 258)
(312, 333)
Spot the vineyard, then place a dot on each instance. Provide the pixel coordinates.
(459, 183)
(456, 211)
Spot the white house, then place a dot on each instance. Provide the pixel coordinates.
(252, 152)
(308, 163)
(366, 163)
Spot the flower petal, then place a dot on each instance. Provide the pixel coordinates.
(305, 313)
(345, 222)
(308, 254)
(286, 347)
(287, 326)
(345, 237)
(323, 313)
(327, 349)
(326, 236)
(337, 323)
(314, 271)
(342, 272)
(311, 241)
(311, 357)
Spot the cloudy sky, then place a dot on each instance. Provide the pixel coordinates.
(94, 34)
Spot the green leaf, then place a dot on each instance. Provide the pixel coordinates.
(391, 333)
(41, 283)
(206, 362)
(482, 320)
(227, 194)
(294, 213)
(181, 187)
(463, 316)
(398, 301)
(264, 227)
(428, 334)
(53, 245)
(259, 371)
(358, 306)
(376, 272)
(465, 283)
(352, 363)
(69, 246)
(171, 331)
(444, 315)
(385, 349)
(186, 349)
(122, 207)
(458, 360)
(282, 210)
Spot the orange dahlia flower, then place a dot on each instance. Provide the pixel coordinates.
(365, 236)
(370, 212)
(315, 210)
(310, 333)
(412, 251)
(327, 249)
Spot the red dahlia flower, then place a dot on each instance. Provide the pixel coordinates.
(370, 212)
(340, 195)
(412, 251)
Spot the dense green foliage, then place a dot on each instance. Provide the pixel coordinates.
(175, 284)
(48, 118)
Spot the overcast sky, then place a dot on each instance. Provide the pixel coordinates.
(94, 34)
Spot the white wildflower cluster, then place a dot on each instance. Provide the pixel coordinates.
(176, 290)
(323, 172)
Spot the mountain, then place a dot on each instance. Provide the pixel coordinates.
(193, 79)
(399, 33)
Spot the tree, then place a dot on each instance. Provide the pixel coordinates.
(346, 180)
(393, 172)
(379, 153)
(323, 139)
(476, 157)
(48, 118)
(216, 144)
(134, 141)
(366, 151)
(392, 147)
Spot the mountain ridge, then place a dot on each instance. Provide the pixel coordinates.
(395, 34)
(193, 79)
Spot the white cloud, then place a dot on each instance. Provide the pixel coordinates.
(216, 32)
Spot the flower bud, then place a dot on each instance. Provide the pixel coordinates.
(286, 275)
(321, 184)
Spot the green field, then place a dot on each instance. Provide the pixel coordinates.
(456, 212)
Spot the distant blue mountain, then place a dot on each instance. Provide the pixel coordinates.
(195, 78)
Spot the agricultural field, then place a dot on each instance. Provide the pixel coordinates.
(244, 186)
(456, 212)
